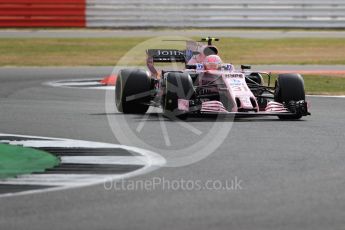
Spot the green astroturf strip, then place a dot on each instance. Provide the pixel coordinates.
(16, 160)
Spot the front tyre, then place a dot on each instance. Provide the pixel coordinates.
(132, 93)
(177, 86)
(289, 89)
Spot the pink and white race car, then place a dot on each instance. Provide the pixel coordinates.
(207, 86)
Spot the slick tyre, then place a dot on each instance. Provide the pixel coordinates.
(177, 86)
(132, 93)
(289, 87)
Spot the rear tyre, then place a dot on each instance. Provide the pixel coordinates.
(132, 93)
(177, 86)
(289, 87)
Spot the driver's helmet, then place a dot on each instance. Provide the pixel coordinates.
(212, 62)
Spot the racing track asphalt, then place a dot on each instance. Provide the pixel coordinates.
(292, 172)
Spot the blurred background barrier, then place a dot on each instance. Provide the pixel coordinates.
(217, 13)
(173, 14)
(42, 13)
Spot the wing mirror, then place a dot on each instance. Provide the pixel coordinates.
(244, 67)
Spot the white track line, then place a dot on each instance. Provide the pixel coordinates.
(76, 84)
(106, 160)
(64, 180)
(327, 96)
(149, 160)
(72, 84)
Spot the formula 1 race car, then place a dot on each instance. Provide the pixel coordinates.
(207, 86)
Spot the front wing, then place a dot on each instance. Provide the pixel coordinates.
(273, 109)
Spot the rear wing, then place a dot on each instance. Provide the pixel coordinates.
(166, 55)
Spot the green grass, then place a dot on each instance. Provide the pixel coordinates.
(16, 160)
(321, 84)
(109, 51)
(316, 84)
(119, 51)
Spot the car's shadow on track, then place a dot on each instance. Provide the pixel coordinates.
(156, 117)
